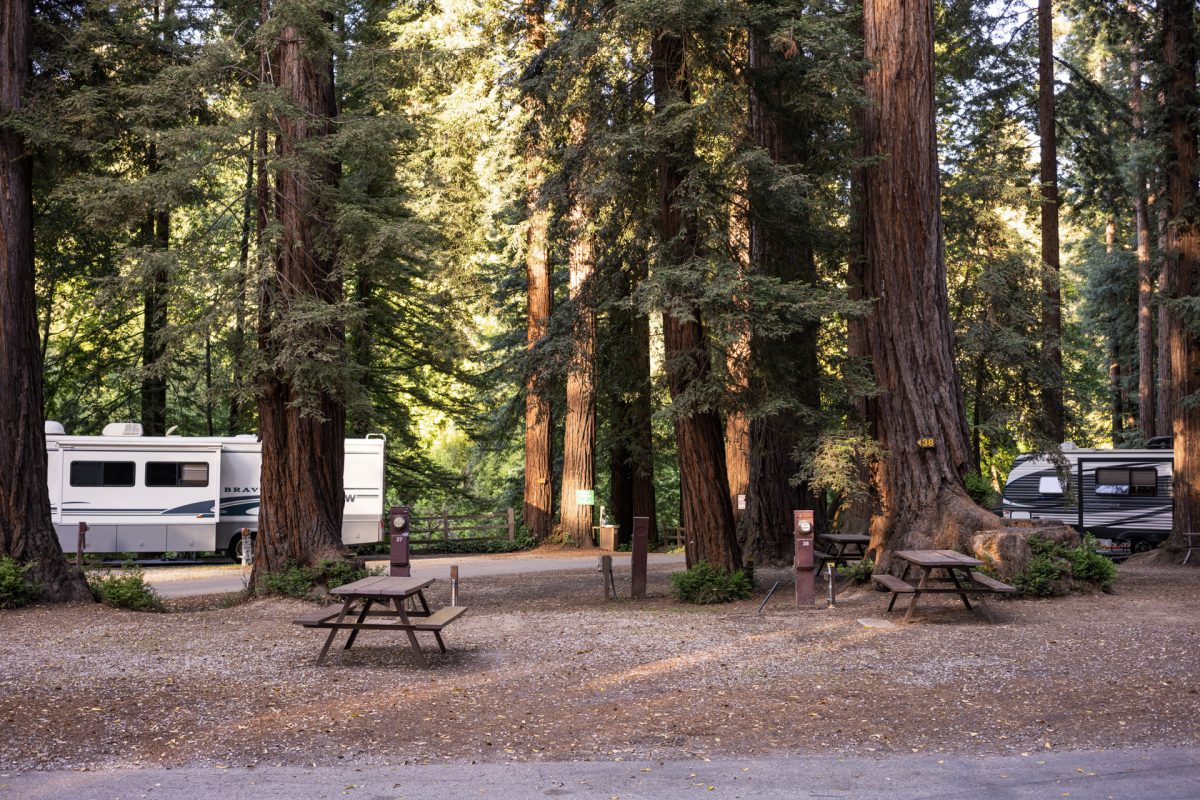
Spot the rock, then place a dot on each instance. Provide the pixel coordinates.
(1007, 551)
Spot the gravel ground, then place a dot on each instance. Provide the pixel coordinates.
(542, 669)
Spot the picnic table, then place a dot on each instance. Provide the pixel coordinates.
(391, 596)
(959, 571)
(844, 547)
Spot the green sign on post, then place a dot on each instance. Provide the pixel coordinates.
(585, 497)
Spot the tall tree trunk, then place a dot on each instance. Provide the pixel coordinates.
(699, 432)
(26, 530)
(1182, 257)
(303, 448)
(977, 414)
(1164, 417)
(154, 317)
(579, 427)
(1115, 383)
(539, 488)
(783, 367)
(737, 424)
(238, 348)
(631, 458)
(1141, 218)
(1052, 392)
(908, 333)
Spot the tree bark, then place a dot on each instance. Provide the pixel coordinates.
(238, 348)
(303, 448)
(703, 481)
(783, 367)
(157, 237)
(1141, 218)
(579, 427)
(1164, 417)
(1182, 258)
(737, 424)
(26, 530)
(908, 335)
(539, 489)
(631, 457)
(1052, 391)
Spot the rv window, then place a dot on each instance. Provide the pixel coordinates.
(1143, 482)
(171, 473)
(102, 473)
(1112, 481)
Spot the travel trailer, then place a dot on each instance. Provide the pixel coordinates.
(1122, 497)
(158, 494)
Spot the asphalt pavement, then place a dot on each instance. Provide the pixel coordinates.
(1157, 774)
(200, 580)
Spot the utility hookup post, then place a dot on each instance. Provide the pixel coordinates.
(829, 567)
(454, 585)
(803, 566)
(81, 544)
(399, 565)
(639, 557)
(246, 545)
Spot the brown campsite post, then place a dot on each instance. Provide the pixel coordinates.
(804, 559)
(81, 544)
(641, 548)
(606, 574)
(454, 585)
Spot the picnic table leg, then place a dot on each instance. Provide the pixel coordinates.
(912, 606)
(412, 636)
(334, 631)
(957, 585)
(424, 605)
(361, 616)
(438, 635)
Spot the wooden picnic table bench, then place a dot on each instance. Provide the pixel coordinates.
(390, 596)
(846, 547)
(959, 571)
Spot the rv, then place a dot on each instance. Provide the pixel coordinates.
(158, 494)
(1122, 497)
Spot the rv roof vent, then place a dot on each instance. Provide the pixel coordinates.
(1068, 445)
(55, 428)
(123, 429)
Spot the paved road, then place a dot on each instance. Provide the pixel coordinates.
(1160, 774)
(193, 581)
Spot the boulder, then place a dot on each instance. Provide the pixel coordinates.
(1006, 551)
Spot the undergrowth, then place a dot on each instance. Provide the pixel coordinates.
(295, 580)
(16, 587)
(704, 584)
(1055, 569)
(125, 589)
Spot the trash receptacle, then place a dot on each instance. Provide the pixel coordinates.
(608, 537)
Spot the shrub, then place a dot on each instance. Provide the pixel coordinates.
(126, 589)
(704, 584)
(464, 547)
(858, 572)
(16, 588)
(298, 581)
(980, 490)
(1091, 567)
(1055, 569)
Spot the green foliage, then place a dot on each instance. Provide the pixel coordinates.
(1092, 567)
(857, 572)
(980, 490)
(1055, 569)
(295, 580)
(126, 589)
(704, 584)
(16, 589)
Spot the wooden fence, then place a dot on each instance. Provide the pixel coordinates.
(437, 528)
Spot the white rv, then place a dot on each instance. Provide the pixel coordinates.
(1122, 497)
(157, 494)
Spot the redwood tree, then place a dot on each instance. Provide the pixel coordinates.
(908, 335)
(579, 427)
(1181, 259)
(539, 489)
(1052, 378)
(301, 400)
(26, 531)
(1141, 220)
(703, 482)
